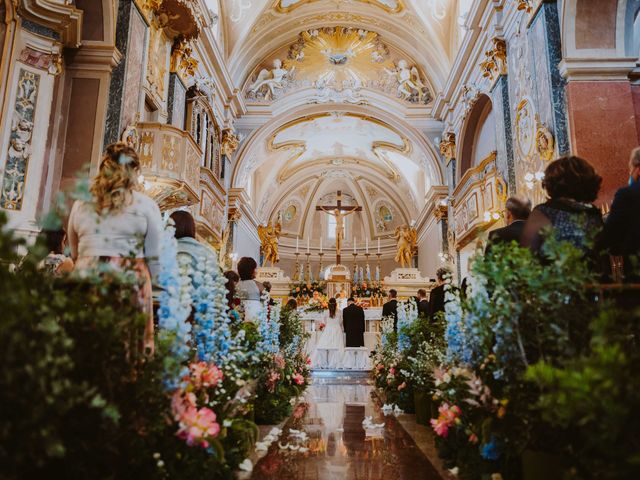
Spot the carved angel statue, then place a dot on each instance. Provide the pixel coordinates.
(269, 237)
(407, 238)
(409, 82)
(269, 81)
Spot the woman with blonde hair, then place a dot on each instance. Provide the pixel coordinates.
(120, 226)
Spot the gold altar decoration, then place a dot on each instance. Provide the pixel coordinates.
(390, 6)
(495, 63)
(526, 5)
(448, 146)
(269, 237)
(545, 142)
(407, 238)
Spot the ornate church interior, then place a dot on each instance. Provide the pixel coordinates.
(329, 152)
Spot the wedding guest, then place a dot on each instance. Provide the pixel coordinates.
(232, 280)
(353, 321)
(266, 286)
(291, 304)
(572, 184)
(56, 262)
(621, 233)
(185, 233)
(516, 213)
(120, 226)
(423, 303)
(249, 291)
(436, 298)
(390, 309)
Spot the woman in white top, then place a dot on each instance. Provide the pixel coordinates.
(330, 347)
(249, 291)
(120, 226)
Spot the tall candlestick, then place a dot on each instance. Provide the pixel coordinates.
(355, 247)
(378, 244)
(366, 245)
(297, 245)
(307, 244)
(320, 244)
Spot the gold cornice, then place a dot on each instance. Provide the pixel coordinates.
(278, 8)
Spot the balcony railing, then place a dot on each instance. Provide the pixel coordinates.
(170, 162)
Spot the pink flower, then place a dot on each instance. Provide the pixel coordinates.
(473, 438)
(392, 371)
(205, 375)
(196, 426)
(279, 361)
(379, 367)
(299, 379)
(402, 386)
(308, 360)
(440, 426)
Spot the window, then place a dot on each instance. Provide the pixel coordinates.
(331, 226)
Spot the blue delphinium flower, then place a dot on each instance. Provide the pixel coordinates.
(491, 450)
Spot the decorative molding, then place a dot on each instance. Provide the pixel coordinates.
(19, 150)
(51, 62)
(545, 141)
(51, 18)
(389, 9)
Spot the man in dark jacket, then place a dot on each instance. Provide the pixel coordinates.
(354, 324)
(517, 210)
(621, 233)
(390, 309)
(423, 303)
(436, 298)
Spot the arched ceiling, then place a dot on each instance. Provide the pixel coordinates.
(336, 92)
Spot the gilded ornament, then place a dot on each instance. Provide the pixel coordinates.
(230, 142)
(269, 237)
(545, 142)
(182, 61)
(495, 63)
(448, 146)
(526, 5)
(407, 238)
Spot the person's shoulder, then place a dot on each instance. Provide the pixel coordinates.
(629, 192)
(145, 201)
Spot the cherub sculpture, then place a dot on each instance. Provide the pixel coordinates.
(269, 81)
(409, 82)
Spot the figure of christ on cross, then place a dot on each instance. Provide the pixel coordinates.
(339, 211)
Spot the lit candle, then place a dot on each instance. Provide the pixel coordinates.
(320, 244)
(366, 245)
(297, 245)
(355, 248)
(307, 244)
(378, 244)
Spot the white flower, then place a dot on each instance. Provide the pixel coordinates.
(227, 423)
(262, 446)
(246, 465)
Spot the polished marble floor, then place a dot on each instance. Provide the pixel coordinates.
(340, 433)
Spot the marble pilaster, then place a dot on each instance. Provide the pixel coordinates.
(176, 101)
(504, 131)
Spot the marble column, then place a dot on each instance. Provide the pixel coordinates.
(504, 131)
(547, 17)
(176, 101)
(125, 97)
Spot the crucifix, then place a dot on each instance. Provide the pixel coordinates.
(339, 211)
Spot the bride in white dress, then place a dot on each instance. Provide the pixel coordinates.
(330, 347)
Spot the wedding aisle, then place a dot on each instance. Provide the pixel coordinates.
(340, 433)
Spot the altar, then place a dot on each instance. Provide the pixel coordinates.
(373, 317)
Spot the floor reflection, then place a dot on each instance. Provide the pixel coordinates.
(339, 445)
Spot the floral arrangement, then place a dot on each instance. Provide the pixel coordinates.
(368, 290)
(317, 303)
(304, 289)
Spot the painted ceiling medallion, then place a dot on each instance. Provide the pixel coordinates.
(391, 6)
(338, 62)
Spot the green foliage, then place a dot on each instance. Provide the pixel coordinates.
(596, 397)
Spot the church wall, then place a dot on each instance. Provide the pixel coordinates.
(245, 241)
(429, 246)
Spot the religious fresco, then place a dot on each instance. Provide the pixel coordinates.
(19, 149)
(338, 62)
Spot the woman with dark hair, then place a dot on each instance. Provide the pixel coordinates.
(249, 291)
(120, 226)
(185, 233)
(232, 280)
(291, 304)
(330, 347)
(56, 262)
(572, 184)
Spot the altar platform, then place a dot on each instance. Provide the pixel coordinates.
(355, 359)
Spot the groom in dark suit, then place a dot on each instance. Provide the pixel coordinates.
(353, 321)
